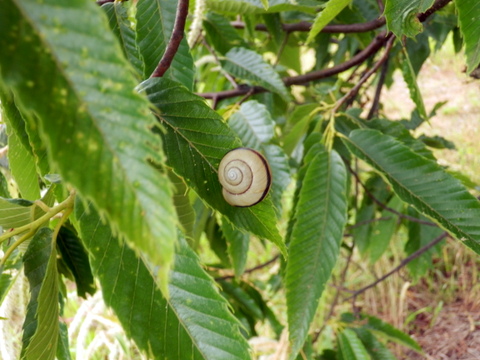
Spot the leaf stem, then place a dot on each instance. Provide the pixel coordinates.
(32, 227)
(175, 39)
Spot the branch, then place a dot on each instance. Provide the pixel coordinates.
(248, 271)
(378, 91)
(175, 39)
(403, 263)
(331, 29)
(353, 91)
(361, 56)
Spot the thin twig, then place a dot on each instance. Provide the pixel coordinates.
(253, 269)
(353, 91)
(378, 90)
(402, 264)
(175, 39)
(382, 205)
(217, 61)
(280, 50)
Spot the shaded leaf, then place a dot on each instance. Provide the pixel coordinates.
(237, 246)
(315, 241)
(91, 120)
(194, 323)
(181, 201)
(221, 34)
(41, 327)
(257, 7)
(154, 27)
(117, 13)
(420, 235)
(195, 140)
(74, 255)
(248, 65)
(384, 329)
(422, 183)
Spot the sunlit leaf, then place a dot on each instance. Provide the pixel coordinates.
(248, 65)
(89, 116)
(330, 11)
(41, 327)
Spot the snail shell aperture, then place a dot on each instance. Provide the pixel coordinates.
(245, 177)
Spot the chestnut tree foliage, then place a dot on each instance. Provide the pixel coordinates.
(115, 123)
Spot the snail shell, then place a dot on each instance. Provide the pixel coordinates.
(245, 177)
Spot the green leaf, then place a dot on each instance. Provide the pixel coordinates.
(181, 201)
(297, 126)
(315, 241)
(237, 246)
(382, 231)
(257, 7)
(3, 187)
(74, 255)
(63, 349)
(331, 10)
(96, 128)
(375, 348)
(350, 347)
(194, 323)
(15, 213)
(154, 26)
(381, 328)
(22, 165)
(278, 161)
(221, 34)
(195, 140)
(117, 13)
(468, 19)
(243, 298)
(411, 80)
(401, 16)
(420, 235)
(41, 328)
(253, 124)
(422, 183)
(248, 65)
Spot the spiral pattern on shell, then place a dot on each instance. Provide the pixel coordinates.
(245, 177)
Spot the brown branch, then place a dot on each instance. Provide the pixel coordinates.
(175, 39)
(331, 29)
(353, 91)
(102, 2)
(253, 269)
(378, 91)
(402, 264)
(361, 56)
